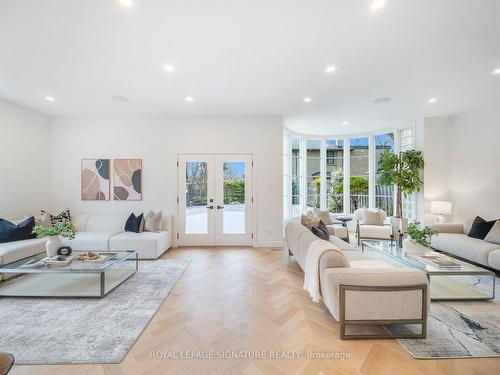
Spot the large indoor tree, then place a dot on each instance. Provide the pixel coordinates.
(402, 170)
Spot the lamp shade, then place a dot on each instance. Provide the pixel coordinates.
(441, 208)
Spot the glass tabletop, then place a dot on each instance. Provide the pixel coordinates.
(399, 254)
(76, 266)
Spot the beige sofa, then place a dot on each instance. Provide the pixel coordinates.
(453, 239)
(367, 291)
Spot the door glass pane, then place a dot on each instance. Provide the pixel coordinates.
(384, 195)
(233, 215)
(196, 198)
(359, 173)
(335, 175)
(296, 177)
(313, 173)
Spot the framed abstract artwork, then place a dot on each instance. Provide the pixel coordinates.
(95, 180)
(127, 180)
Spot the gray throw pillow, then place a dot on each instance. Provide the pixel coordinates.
(152, 222)
(493, 235)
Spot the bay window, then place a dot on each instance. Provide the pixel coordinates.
(359, 173)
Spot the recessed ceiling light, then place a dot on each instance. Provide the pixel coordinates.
(345, 123)
(377, 4)
(189, 99)
(118, 98)
(330, 69)
(307, 99)
(169, 67)
(127, 3)
(49, 98)
(383, 99)
(496, 71)
(432, 100)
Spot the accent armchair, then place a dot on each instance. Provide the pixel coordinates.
(371, 224)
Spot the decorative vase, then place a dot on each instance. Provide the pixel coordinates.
(414, 248)
(53, 243)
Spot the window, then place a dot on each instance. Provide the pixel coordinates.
(313, 153)
(359, 173)
(384, 195)
(296, 176)
(335, 175)
(286, 177)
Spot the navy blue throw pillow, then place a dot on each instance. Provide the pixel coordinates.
(10, 232)
(133, 223)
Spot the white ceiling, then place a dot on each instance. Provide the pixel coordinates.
(252, 57)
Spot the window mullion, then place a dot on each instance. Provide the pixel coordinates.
(347, 175)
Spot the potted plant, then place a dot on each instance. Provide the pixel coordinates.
(404, 171)
(419, 240)
(63, 228)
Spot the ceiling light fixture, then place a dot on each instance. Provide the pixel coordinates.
(127, 3)
(189, 99)
(169, 68)
(432, 100)
(49, 98)
(496, 71)
(118, 98)
(330, 69)
(307, 99)
(345, 123)
(377, 4)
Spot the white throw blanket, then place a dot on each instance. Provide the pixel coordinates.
(311, 273)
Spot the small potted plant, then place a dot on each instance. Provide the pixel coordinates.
(63, 228)
(419, 240)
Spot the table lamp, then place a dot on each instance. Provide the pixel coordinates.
(440, 208)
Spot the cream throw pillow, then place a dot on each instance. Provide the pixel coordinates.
(493, 235)
(323, 215)
(372, 218)
(152, 223)
(309, 220)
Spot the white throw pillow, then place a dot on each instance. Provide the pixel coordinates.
(152, 222)
(309, 220)
(372, 218)
(493, 235)
(323, 215)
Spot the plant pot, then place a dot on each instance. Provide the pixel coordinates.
(398, 223)
(414, 248)
(52, 245)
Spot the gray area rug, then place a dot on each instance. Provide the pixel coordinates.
(460, 329)
(87, 330)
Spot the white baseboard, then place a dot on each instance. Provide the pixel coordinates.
(269, 244)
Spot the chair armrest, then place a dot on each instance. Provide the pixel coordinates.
(448, 228)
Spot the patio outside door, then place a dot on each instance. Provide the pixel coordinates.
(215, 200)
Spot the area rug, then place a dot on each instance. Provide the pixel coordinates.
(460, 329)
(87, 330)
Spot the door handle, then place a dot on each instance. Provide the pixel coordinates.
(220, 207)
(210, 207)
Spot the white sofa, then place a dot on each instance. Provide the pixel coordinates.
(16, 250)
(453, 239)
(364, 290)
(106, 233)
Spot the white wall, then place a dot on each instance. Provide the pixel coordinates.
(158, 140)
(475, 164)
(24, 161)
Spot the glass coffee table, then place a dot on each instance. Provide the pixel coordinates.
(469, 282)
(80, 278)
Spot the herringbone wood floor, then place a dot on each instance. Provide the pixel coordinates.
(252, 299)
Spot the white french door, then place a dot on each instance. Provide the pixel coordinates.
(215, 199)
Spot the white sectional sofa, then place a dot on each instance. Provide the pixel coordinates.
(453, 239)
(13, 251)
(358, 290)
(106, 232)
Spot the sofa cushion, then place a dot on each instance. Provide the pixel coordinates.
(480, 228)
(464, 246)
(91, 240)
(12, 251)
(11, 232)
(375, 231)
(149, 245)
(494, 259)
(106, 223)
(337, 230)
(323, 215)
(493, 235)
